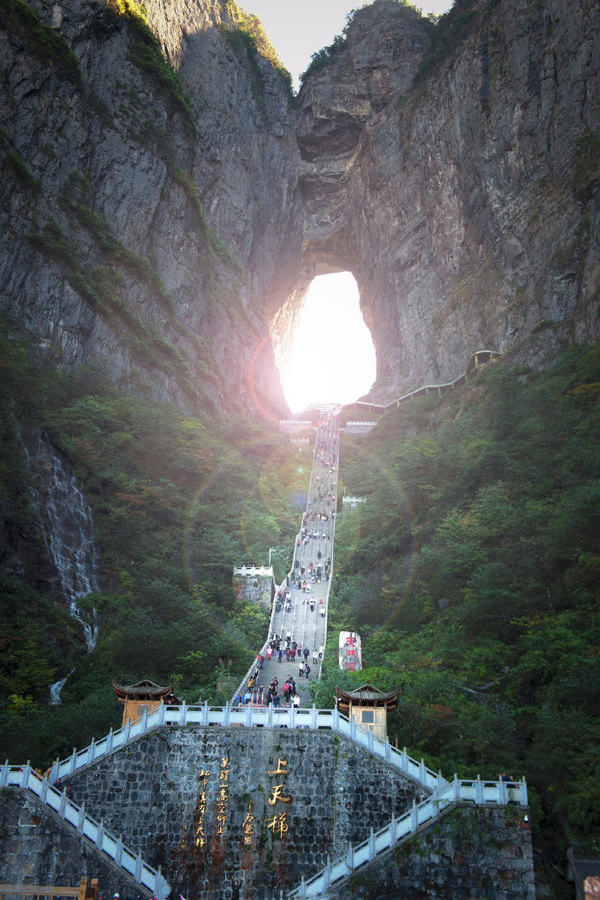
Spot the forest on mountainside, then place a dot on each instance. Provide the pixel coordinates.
(472, 573)
(177, 502)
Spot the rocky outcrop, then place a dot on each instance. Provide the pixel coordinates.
(464, 200)
(453, 170)
(142, 226)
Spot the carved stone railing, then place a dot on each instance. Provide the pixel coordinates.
(250, 717)
(131, 863)
(479, 793)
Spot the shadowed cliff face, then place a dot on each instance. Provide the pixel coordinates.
(176, 239)
(464, 201)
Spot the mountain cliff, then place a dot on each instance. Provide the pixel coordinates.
(455, 171)
(166, 202)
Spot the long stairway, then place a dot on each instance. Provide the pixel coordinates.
(304, 618)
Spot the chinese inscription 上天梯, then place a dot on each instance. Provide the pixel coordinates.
(278, 823)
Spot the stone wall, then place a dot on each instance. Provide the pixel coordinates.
(37, 847)
(266, 806)
(155, 794)
(470, 854)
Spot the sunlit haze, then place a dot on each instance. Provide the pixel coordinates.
(333, 358)
(299, 29)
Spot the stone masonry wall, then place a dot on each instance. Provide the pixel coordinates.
(37, 847)
(470, 854)
(163, 794)
(265, 806)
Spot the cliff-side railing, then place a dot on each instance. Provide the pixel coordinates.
(250, 717)
(131, 863)
(479, 358)
(480, 793)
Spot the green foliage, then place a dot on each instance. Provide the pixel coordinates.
(44, 41)
(586, 176)
(323, 57)
(448, 33)
(120, 255)
(176, 505)
(249, 40)
(472, 574)
(147, 55)
(96, 287)
(20, 168)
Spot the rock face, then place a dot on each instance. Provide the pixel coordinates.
(453, 170)
(465, 200)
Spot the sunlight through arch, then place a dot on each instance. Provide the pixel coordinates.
(333, 357)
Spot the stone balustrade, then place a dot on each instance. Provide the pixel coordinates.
(132, 863)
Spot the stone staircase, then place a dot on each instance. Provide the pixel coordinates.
(132, 864)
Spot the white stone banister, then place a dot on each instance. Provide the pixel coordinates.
(249, 717)
(478, 792)
(24, 778)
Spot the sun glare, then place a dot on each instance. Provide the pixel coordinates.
(333, 358)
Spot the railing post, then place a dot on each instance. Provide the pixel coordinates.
(327, 873)
(249, 716)
(4, 775)
(270, 715)
(404, 763)
(456, 787)
(119, 850)
(335, 720)
(371, 844)
(63, 804)
(422, 772)
(353, 730)
(161, 888)
(127, 732)
(26, 773)
(387, 752)
(74, 759)
(313, 717)
(350, 857)
(100, 834)
(226, 714)
(478, 791)
(138, 867)
(370, 741)
(90, 753)
(54, 771)
(302, 889)
(502, 799)
(81, 819)
(414, 820)
(440, 780)
(393, 831)
(523, 786)
(44, 790)
(144, 722)
(183, 713)
(205, 713)
(109, 742)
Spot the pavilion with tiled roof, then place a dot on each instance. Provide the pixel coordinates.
(145, 696)
(368, 707)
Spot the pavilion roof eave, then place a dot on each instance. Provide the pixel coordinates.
(143, 690)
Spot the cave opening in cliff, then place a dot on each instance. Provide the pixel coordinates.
(332, 359)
